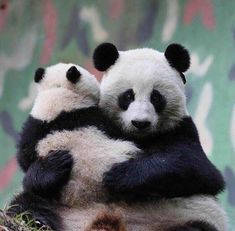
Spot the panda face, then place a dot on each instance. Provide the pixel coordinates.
(143, 93)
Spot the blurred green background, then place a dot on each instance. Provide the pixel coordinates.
(38, 33)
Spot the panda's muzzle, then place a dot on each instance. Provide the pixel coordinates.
(141, 124)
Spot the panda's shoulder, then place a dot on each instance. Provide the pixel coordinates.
(85, 117)
(186, 128)
(183, 133)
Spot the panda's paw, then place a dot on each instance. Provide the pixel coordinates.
(120, 178)
(58, 160)
(47, 176)
(59, 163)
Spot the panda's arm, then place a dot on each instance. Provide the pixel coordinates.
(181, 170)
(47, 176)
(33, 130)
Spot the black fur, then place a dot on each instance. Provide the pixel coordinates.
(178, 57)
(183, 78)
(173, 164)
(73, 74)
(125, 99)
(34, 130)
(39, 73)
(46, 176)
(105, 55)
(36, 208)
(158, 101)
(194, 226)
(141, 125)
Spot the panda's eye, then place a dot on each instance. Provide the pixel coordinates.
(158, 101)
(125, 99)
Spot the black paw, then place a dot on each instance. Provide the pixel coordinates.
(121, 177)
(48, 175)
(60, 160)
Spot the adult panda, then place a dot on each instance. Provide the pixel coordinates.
(143, 90)
(164, 169)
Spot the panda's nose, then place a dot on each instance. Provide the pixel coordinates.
(140, 124)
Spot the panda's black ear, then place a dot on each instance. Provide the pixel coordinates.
(39, 74)
(73, 74)
(178, 57)
(104, 56)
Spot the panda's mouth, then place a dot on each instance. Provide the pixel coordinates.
(133, 131)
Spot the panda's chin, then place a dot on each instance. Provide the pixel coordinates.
(133, 132)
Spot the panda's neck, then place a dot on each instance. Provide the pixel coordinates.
(50, 103)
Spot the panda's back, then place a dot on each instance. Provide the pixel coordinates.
(83, 134)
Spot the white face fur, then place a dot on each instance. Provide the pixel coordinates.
(151, 91)
(56, 93)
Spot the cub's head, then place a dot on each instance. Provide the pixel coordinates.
(143, 89)
(63, 87)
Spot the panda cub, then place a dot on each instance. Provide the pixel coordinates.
(65, 119)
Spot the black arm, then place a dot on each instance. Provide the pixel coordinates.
(172, 164)
(46, 177)
(33, 130)
(182, 170)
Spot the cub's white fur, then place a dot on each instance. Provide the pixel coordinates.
(93, 152)
(56, 93)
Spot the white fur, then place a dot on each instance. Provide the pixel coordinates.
(56, 93)
(151, 216)
(93, 153)
(143, 70)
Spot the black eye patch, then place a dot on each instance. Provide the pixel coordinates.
(158, 101)
(125, 99)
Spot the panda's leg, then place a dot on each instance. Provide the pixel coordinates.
(107, 221)
(47, 176)
(194, 226)
(35, 210)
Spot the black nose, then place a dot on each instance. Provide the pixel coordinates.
(140, 124)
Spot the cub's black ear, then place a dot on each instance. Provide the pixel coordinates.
(178, 57)
(73, 74)
(39, 74)
(104, 56)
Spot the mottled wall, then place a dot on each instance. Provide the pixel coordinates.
(37, 33)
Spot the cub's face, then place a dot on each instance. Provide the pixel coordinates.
(143, 93)
(70, 77)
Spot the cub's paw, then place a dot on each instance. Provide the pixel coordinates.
(48, 175)
(107, 221)
(58, 166)
(60, 160)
